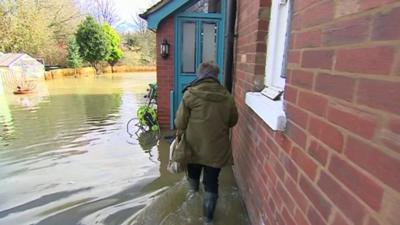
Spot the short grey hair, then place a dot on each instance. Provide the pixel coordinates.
(208, 69)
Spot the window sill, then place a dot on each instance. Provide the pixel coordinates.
(270, 111)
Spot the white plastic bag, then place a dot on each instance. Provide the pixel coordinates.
(176, 150)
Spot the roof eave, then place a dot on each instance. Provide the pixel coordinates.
(153, 8)
(155, 14)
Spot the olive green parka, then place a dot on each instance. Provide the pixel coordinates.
(205, 114)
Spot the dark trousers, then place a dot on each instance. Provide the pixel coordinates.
(210, 176)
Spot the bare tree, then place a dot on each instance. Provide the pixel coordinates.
(40, 28)
(104, 11)
(61, 15)
(139, 23)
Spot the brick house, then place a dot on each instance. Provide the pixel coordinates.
(317, 84)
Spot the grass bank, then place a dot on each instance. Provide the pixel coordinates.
(60, 73)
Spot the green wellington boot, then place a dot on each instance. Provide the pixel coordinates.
(209, 204)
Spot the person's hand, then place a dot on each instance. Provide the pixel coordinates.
(179, 134)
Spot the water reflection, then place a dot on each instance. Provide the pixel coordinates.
(5, 119)
(59, 122)
(147, 141)
(67, 158)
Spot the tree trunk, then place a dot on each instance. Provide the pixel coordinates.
(112, 67)
(97, 67)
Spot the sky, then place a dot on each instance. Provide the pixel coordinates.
(127, 9)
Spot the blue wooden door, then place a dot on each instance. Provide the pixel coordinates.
(197, 40)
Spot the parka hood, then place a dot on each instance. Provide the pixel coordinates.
(209, 90)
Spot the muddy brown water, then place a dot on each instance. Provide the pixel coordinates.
(66, 159)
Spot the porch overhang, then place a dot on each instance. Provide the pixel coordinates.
(155, 14)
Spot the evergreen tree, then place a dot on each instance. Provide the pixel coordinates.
(115, 42)
(93, 43)
(73, 58)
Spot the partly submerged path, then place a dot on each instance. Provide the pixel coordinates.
(172, 208)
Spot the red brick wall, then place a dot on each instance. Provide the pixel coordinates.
(338, 162)
(165, 71)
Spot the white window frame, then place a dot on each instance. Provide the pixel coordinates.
(269, 104)
(278, 40)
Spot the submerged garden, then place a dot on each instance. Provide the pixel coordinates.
(68, 153)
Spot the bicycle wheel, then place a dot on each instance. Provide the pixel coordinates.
(133, 127)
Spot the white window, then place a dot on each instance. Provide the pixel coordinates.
(278, 40)
(269, 103)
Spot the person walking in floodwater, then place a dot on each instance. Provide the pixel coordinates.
(205, 115)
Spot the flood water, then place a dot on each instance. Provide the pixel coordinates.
(66, 159)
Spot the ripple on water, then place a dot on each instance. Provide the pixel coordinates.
(66, 159)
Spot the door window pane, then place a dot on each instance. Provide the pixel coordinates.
(209, 38)
(188, 47)
(206, 6)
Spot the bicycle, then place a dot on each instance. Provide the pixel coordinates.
(146, 116)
